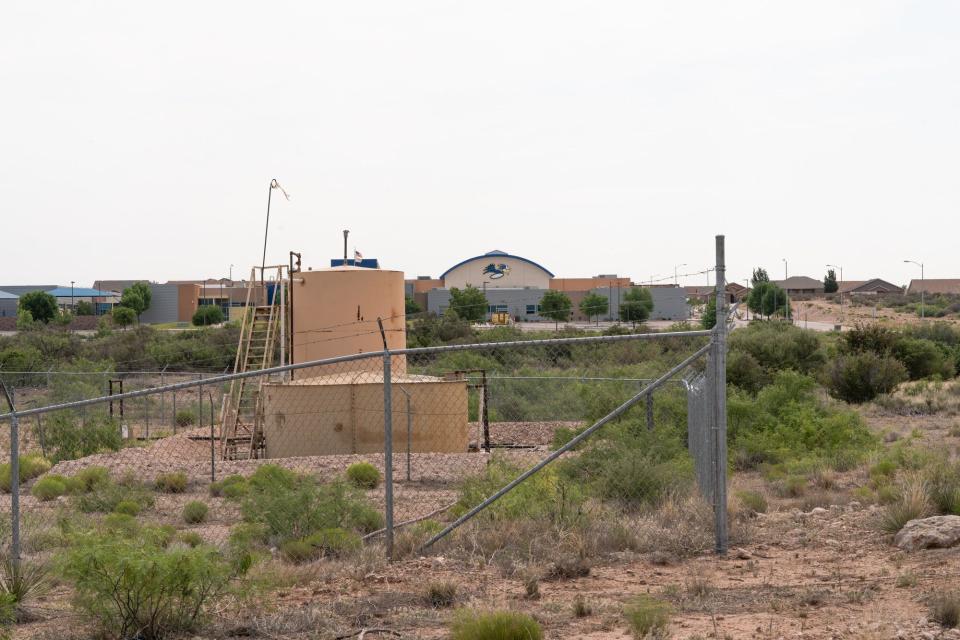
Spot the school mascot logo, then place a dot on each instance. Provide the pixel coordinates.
(496, 271)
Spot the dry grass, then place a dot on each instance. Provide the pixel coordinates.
(912, 502)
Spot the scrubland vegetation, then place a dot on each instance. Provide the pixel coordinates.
(795, 431)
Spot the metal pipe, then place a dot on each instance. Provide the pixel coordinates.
(213, 455)
(616, 413)
(719, 344)
(388, 453)
(409, 427)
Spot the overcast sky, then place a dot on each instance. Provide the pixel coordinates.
(138, 139)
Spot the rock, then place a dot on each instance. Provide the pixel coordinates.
(816, 511)
(926, 533)
(854, 505)
(742, 554)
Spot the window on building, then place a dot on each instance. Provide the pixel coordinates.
(532, 309)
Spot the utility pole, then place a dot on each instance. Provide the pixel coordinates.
(346, 232)
(675, 272)
(786, 290)
(72, 305)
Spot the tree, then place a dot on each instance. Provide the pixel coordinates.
(207, 315)
(469, 303)
(84, 308)
(755, 299)
(136, 297)
(412, 307)
(774, 301)
(557, 306)
(759, 275)
(709, 313)
(636, 306)
(25, 320)
(830, 282)
(594, 304)
(41, 305)
(123, 316)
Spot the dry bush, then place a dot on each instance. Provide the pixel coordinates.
(581, 608)
(568, 567)
(912, 502)
(945, 609)
(681, 526)
(441, 594)
(647, 617)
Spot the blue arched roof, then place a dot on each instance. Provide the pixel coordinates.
(498, 254)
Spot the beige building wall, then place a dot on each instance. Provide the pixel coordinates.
(517, 274)
(334, 416)
(335, 313)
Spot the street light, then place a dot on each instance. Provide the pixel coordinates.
(273, 185)
(231, 273)
(923, 306)
(71, 296)
(833, 266)
(675, 272)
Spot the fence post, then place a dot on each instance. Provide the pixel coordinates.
(388, 451)
(14, 483)
(719, 405)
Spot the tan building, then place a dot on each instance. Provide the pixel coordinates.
(497, 270)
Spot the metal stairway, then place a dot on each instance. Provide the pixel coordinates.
(241, 416)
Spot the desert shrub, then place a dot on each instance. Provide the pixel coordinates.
(868, 338)
(69, 438)
(363, 475)
(30, 466)
(745, 372)
(497, 625)
(441, 594)
(89, 477)
(943, 484)
(231, 487)
(787, 421)
(185, 418)
(22, 585)
(754, 501)
(544, 495)
(49, 487)
(175, 482)
(861, 377)
(104, 497)
(134, 587)
(195, 512)
(912, 502)
(334, 541)
(647, 616)
(298, 551)
(293, 506)
(945, 609)
(923, 358)
(122, 524)
(581, 608)
(190, 538)
(127, 507)
(776, 346)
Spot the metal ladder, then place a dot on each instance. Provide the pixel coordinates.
(241, 416)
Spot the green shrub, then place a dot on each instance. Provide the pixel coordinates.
(363, 475)
(134, 587)
(127, 507)
(185, 418)
(31, 466)
(497, 625)
(745, 372)
(194, 512)
(90, 477)
(861, 377)
(190, 538)
(298, 551)
(49, 487)
(231, 487)
(755, 501)
(123, 524)
(776, 346)
(175, 482)
(647, 616)
(70, 438)
(334, 541)
(945, 609)
(105, 496)
(545, 494)
(293, 506)
(207, 315)
(922, 358)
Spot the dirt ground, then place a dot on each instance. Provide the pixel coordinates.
(798, 571)
(830, 312)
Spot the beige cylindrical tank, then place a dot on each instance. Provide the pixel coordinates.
(335, 313)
